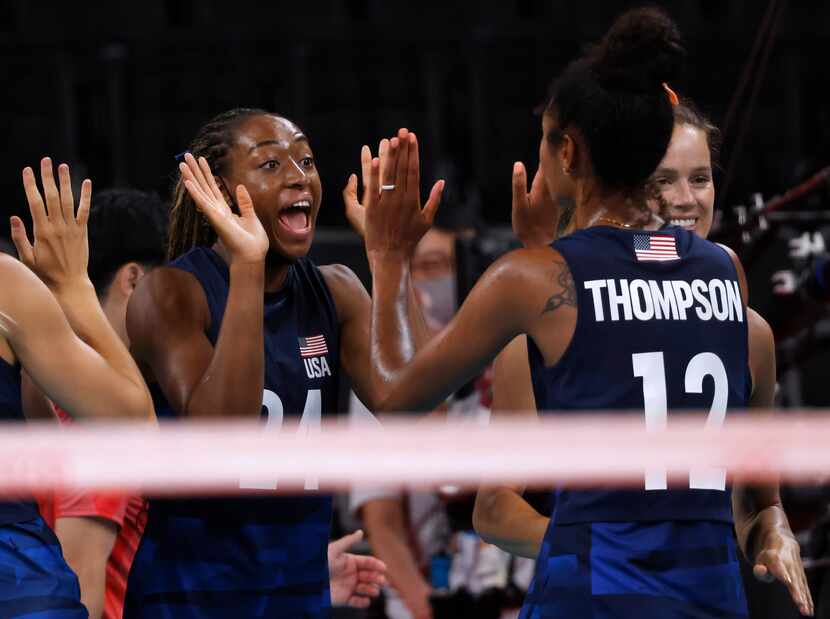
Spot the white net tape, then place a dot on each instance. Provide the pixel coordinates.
(190, 457)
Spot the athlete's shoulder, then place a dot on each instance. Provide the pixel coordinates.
(14, 273)
(523, 283)
(24, 298)
(339, 276)
(739, 268)
(347, 291)
(529, 263)
(760, 332)
(725, 249)
(761, 351)
(167, 287)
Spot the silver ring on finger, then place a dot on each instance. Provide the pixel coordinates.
(387, 187)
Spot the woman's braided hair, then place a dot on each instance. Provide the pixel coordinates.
(188, 227)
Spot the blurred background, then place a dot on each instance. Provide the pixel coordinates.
(119, 88)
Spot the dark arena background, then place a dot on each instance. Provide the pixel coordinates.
(117, 89)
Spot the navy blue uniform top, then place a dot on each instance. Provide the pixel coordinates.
(262, 555)
(660, 327)
(11, 409)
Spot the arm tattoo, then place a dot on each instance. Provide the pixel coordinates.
(567, 296)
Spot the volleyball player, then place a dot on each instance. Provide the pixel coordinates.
(242, 324)
(684, 179)
(99, 532)
(618, 314)
(52, 325)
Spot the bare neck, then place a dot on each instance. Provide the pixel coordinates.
(598, 207)
(115, 309)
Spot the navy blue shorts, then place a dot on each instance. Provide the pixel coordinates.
(35, 581)
(642, 570)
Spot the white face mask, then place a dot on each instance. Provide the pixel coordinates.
(439, 298)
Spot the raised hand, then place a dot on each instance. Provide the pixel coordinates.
(243, 234)
(355, 211)
(535, 215)
(780, 560)
(353, 578)
(60, 252)
(394, 219)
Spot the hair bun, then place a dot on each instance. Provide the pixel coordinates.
(642, 49)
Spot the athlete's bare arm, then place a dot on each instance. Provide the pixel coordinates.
(354, 310)
(60, 334)
(389, 535)
(502, 516)
(87, 543)
(511, 298)
(168, 315)
(526, 291)
(72, 373)
(761, 524)
(354, 306)
(36, 406)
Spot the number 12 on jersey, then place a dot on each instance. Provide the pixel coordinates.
(651, 368)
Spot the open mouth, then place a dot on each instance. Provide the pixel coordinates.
(688, 223)
(297, 216)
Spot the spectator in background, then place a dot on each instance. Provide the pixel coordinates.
(99, 534)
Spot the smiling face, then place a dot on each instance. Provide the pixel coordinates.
(273, 159)
(684, 180)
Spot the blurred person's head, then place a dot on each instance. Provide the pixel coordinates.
(126, 240)
(434, 262)
(684, 177)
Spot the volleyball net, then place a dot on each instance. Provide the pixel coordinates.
(190, 457)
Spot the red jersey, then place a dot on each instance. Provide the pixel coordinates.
(128, 512)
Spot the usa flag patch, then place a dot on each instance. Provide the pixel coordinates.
(655, 247)
(313, 346)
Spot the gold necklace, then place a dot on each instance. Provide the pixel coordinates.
(615, 222)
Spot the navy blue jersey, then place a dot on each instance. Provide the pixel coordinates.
(263, 555)
(35, 581)
(647, 570)
(660, 328)
(11, 409)
(34, 578)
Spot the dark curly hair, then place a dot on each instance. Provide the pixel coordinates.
(614, 95)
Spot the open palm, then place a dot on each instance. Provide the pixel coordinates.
(394, 219)
(354, 579)
(535, 215)
(355, 209)
(60, 251)
(242, 234)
